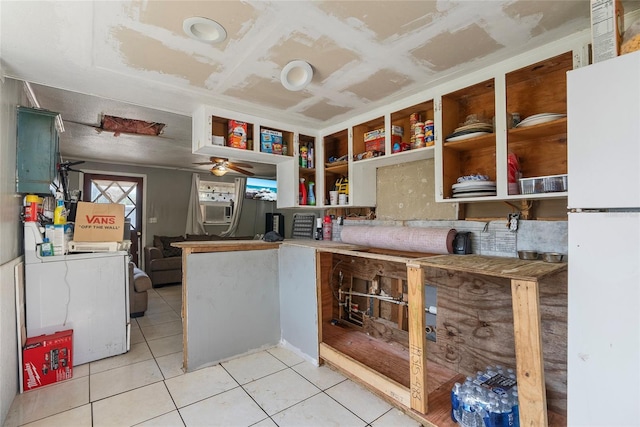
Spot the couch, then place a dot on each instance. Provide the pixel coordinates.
(139, 284)
(163, 262)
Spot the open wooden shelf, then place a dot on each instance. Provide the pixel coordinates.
(482, 141)
(556, 127)
(339, 169)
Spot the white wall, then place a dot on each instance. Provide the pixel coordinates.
(11, 95)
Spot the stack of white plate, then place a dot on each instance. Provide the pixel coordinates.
(537, 119)
(474, 189)
(470, 130)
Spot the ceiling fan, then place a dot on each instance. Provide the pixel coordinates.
(222, 166)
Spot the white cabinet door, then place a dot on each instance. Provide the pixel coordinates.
(603, 357)
(604, 134)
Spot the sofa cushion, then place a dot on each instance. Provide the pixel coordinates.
(165, 245)
(171, 263)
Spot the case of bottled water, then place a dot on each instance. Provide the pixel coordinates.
(490, 399)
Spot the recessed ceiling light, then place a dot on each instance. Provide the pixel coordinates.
(204, 29)
(296, 75)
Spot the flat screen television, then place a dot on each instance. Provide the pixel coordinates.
(262, 189)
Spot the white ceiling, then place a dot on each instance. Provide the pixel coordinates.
(118, 57)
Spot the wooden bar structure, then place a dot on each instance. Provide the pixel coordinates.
(489, 312)
(524, 278)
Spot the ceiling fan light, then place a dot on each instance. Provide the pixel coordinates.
(204, 29)
(296, 75)
(221, 171)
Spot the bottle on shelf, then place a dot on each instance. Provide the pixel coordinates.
(310, 160)
(303, 156)
(327, 228)
(59, 214)
(311, 198)
(318, 233)
(303, 193)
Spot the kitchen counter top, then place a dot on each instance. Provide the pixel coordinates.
(510, 268)
(224, 245)
(252, 245)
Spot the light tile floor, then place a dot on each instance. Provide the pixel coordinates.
(147, 387)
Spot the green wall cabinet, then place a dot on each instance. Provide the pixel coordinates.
(37, 150)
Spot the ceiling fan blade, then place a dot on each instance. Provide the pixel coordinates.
(237, 169)
(202, 163)
(242, 165)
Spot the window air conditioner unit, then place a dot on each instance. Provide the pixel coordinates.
(217, 212)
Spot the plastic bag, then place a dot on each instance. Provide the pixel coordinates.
(631, 38)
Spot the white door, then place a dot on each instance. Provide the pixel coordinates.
(604, 319)
(604, 134)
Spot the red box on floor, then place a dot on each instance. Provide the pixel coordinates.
(47, 359)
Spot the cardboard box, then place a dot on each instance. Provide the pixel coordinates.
(271, 141)
(47, 359)
(607, 26)
(380, 133)
(99, 222)
(237, 134)
(378, 143)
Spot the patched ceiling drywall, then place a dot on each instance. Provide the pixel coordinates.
(364, 54)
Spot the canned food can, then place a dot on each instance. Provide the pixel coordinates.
(414, 118)
(429, 138)
(419, 129)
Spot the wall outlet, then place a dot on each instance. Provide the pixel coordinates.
(153, 220)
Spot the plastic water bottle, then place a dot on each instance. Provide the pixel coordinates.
(515, 409)
(506, 410)
(455, 402)
(488, 399)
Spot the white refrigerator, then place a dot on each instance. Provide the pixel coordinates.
(604, 243)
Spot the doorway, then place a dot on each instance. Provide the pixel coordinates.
(124, 190)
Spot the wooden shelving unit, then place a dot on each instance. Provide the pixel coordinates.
(474, 155)
(336, 145)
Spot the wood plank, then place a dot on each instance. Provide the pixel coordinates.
(366, 374)
(363, 253)
(528, 342)
(553, 314)
(417, 340)
(225, 245)
(510, 268)
(388, 358)
(370, 268)
(326, 299)
(386, 331)
(184, 310)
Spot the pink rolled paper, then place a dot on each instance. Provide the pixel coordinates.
(410, 239)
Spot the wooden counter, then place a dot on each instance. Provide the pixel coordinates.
(189, 247)
(231, 297)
